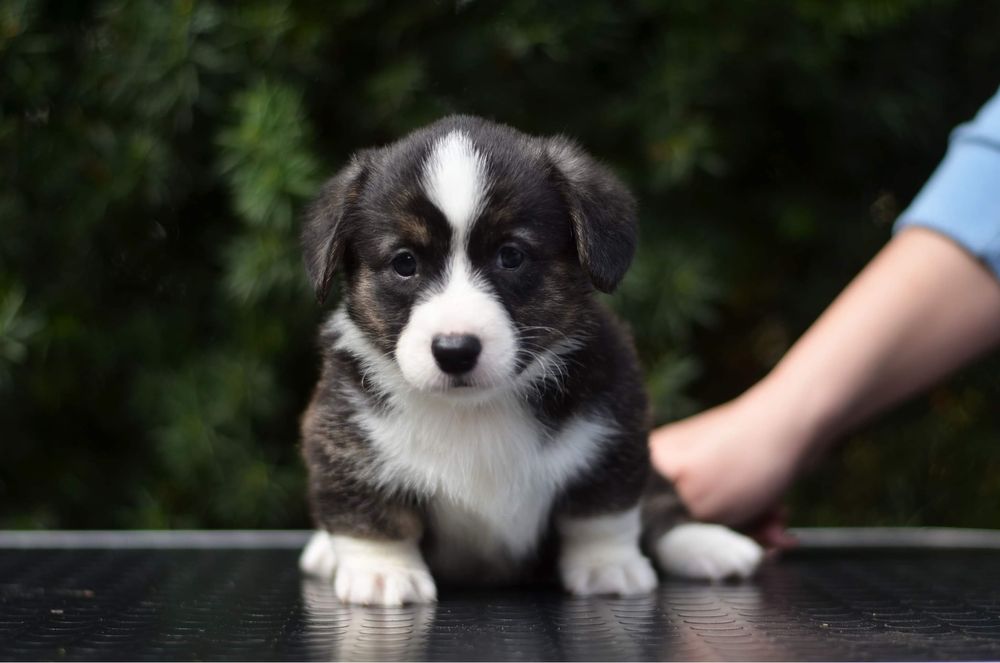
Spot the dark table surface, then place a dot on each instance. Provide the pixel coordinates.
(845, 595)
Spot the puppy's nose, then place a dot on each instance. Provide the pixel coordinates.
(456, 353)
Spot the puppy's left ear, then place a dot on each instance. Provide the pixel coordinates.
(326, 223)
(602, 211)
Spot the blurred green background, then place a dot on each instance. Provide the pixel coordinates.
(156, 330)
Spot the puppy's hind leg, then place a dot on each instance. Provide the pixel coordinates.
(695, 550)
(707, 552)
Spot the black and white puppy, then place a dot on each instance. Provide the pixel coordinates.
(479, 412)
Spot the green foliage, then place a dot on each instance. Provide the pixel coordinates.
(16, 331)
(266, 162)
(156, 330)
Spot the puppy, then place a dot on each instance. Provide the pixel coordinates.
(479, 413)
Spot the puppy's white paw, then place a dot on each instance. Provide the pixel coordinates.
(318, 559)
(600, 555)
(386, 587)
(708, 552)
(625, 574)
(386, 573)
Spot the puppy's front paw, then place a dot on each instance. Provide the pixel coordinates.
(625, 572)
(386, 573)
(387, 587)
(317, 559)
(600, 555)
(708, 552)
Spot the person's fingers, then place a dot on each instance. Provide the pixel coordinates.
(770, 530)
(776, 539)
(666, 453)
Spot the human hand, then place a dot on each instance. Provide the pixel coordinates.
(771, 530)
(732, 464)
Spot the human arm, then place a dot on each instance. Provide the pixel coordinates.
(922, 308)
(928, 303)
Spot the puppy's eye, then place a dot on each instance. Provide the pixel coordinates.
(510, 257)
(404, 264)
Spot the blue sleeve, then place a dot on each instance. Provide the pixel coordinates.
(962, 198)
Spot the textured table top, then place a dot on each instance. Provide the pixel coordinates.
(847, 595)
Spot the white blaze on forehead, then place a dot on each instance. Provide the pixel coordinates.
(455, 180)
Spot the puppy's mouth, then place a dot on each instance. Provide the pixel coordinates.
(463, 385)
(460, 383)
(472, 386)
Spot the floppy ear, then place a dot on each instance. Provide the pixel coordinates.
(602, 211)
(324, 227)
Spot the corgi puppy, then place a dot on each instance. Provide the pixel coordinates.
(480, 415)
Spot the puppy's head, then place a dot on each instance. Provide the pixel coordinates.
(470, 250)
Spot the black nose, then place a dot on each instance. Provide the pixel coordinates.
(456, 353)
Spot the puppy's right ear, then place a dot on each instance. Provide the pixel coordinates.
(326, 221)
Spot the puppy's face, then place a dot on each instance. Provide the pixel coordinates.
(470, 250)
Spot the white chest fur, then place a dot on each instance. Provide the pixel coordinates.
(489, 471)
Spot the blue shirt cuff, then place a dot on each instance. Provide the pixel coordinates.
(961, 200)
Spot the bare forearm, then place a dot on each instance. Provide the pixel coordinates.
(921, 308)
